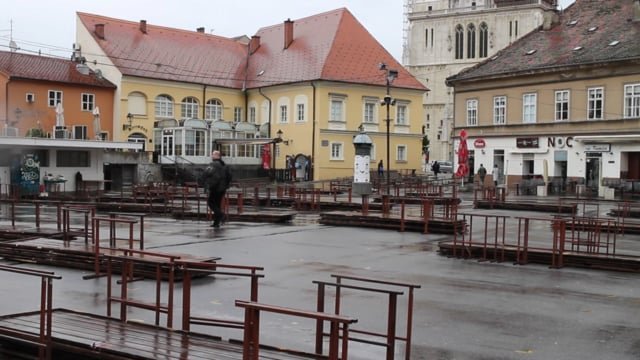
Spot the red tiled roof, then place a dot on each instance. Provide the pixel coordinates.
(33, 67)
(170, 54)
(329, 46)
(609, 20)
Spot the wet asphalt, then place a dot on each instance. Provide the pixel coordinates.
(465, 309)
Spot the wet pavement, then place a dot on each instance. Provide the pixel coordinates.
(465, 309)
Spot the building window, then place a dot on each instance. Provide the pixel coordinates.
(189, 108)
(471, 41)
(55, 97)
(499, 110)
(213, 110)
(88, 102)
(459, 42)
(252, 114)
(472, 112)
(283, 114)
(529, 108)
(337, 152)
(369, 112)
(337, 109)
(300, 113)
(402, 115)
(72, 158)
(401, 153)
(426, 38)
(164, 106)
(484, 40)
(632, 101)
(237, 114)
(562, 105)
(80, 132)
(432, 38)
(595, 103)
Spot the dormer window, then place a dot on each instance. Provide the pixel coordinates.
(531, 52)
(572, 22)
(577, 48)
(593, 28)
(614, 43)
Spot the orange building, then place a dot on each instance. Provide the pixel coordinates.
(32, 86)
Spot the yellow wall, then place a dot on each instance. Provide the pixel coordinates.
(302, 132)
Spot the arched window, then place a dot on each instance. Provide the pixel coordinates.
(213, 110)
(484, 40)
(471, 41)
(164, 106)
(189, 108)
(459, 42)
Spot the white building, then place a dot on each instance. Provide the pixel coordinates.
(442, 37)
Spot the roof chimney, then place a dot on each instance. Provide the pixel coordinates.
(254, 44)
(200, 29)
(143, 26)
(636, 10)
(99, 31)
(288, 33)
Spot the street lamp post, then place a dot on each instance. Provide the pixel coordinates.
(388, 101)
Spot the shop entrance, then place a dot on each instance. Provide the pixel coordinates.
(593, 171)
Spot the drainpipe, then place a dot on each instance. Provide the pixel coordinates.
(273, 156)
(313, 131)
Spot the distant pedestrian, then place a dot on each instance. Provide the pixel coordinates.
(495, 174)
(435, 167)
(380, 169)
(218, 179)
(482, 173)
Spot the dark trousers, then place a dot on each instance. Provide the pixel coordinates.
(214, 201)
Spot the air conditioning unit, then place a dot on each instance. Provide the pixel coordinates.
(30, 97)
(60, 132)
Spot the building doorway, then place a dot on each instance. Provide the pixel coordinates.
(593, 171)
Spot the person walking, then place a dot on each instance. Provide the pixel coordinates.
(482, 173)
(380, 169)
(218, 177)
(495, 173)
(435, 167)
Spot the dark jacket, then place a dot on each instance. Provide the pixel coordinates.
(218, 176)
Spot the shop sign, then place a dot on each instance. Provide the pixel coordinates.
(527, 143)
(560, 142)
(597, 147)
(479, 143)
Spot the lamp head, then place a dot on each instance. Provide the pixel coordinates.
(279, 133)
(392, 75)
(382, 66)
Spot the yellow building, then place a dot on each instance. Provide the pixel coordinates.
(302, 87)
(559, 108)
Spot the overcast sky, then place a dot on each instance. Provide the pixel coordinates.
(49, 26)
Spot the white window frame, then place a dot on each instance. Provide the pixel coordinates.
(83, 131)
(213, 109)
(336, 149)
(283, 114)
(237, 114)
(300, 112)
(632, 101)
(402, 113)
(370, 110)
(87, 101)
(499, 110)
(529, 108)
(595, 103)
(472, 112)
(401, 153)
(164, 106)
(55, 97)
(252, 114)
(337, 108)
(562, 105)
(189, 108)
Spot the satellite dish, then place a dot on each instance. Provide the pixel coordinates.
(13, 46)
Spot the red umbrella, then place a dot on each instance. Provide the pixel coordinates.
(266, 157)
(463, 155)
